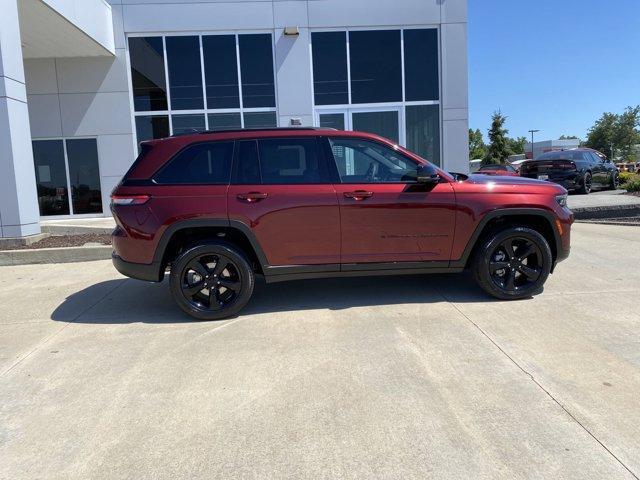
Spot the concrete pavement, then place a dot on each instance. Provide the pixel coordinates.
(405, 377)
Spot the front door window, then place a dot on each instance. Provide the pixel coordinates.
(64, 166)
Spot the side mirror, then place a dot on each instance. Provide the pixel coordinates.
(427, 174)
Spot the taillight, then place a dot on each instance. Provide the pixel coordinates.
(129, 199)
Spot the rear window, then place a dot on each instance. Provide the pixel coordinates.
(567, 155)
(202, 163)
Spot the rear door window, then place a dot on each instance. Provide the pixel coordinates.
(199, 164)
(280, 161)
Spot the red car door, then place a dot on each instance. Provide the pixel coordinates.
(281, 190)
(385, 215)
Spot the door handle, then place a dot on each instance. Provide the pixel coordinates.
(358, 195)
(252, 197)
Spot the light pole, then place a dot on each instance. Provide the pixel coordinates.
(532, 149)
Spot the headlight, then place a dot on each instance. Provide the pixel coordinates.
(562, 200)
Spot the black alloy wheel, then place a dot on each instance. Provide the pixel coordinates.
(587, 183)
(615, 181)
(211, 281)
(514, 263)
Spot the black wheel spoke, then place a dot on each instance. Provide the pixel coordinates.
(510, 280)
(495, 266)
(192, 289)
(214, 299)
(527, 250)
(532, 274)
(199, 268)
(230, 284)
(221, 265)
(508, 248)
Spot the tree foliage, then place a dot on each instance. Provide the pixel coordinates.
(499, 145)
(477, 147)
(516, 145)
(616, 135)
(568, 137)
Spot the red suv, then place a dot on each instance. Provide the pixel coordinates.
(218, 208)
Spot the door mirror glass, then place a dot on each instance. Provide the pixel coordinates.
(427, 174)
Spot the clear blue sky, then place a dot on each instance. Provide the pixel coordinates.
(554, 65)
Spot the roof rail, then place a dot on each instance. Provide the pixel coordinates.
(262, 129)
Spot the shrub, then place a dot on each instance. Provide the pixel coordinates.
(626, 177)
(633, 186)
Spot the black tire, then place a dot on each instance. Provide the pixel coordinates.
(615, 181)
(520, 273)
(587, 183)
(211, 281)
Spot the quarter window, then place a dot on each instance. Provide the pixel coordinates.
(203, 163)
(364, 161)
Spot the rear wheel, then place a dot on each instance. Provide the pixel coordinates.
(587, 182)
(513, 263)
(211, 281)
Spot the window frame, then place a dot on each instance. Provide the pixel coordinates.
(348, 107)
(323, 161)
(328, 153)
(184, 149)
(206, 111)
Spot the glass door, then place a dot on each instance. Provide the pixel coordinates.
(67, 176)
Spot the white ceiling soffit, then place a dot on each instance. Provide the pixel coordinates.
(66, 28)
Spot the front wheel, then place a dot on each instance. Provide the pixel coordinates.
(615, 181)
(211, 281)
(513, 263)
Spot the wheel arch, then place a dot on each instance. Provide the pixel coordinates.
(188, 232)
(540, 220)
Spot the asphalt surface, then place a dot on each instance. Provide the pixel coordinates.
(405, 377)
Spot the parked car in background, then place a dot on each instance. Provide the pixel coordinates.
(498, 169)
(579, 169)
(219, 208)
(628, 167)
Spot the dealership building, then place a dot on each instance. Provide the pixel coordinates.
(82, 82)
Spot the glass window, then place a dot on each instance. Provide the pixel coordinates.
(248, 165)
(423, 131)
(221, 71)
(152, 127)
(376, 66)
(260, 120)
(291, 161)
(148, 74)
(364, 161)
(185, 75)
(332, 120)
(84, 173)
(185, 124)
(384, 124)
(51, 177)
(330, 79)
(224, 121)
(421, 64)
(203, 163)
(256, 71)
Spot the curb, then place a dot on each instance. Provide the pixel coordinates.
(74, 230)
(55, 255)
(597, 213)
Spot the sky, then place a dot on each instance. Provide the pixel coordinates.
(552, 65)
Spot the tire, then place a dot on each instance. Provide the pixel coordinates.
(493, 272)
(587, 182)
(615, 181)
(211, 280)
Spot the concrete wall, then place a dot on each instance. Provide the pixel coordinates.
(90, 96)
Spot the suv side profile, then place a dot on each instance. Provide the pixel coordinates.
(218, 208)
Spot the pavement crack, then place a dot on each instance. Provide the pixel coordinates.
(45, 340)
(540, 386)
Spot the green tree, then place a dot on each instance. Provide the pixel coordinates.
(568, 137)
(516, 145)
(498, 150)
(477, 147)
(616, 135)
